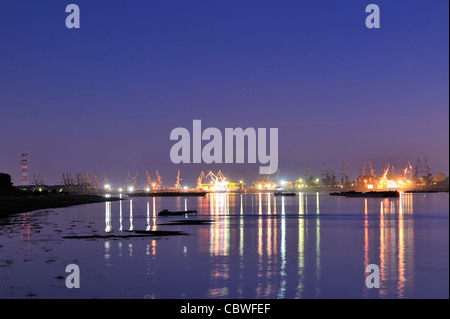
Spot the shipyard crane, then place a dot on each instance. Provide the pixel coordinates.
(427, 177)
(67, 179)
(158, 177)
(345, 178)
(417, 170)
(85, 180)
(326, 175)
(70, 180)
(127, 179)
(386, 169)
(82, 181)
(219, 180)
(221, 176)
(213, 177)
(79, 180)
(309, 177)
(200, 179)
(371, 170)
(408, 170)
(96, 181)
(367, 171)
(38, 180)
(133, 182)
(363, 170)
(149, 184)
(177, 183)
(332, 175)
(88, 180)
(104, 178)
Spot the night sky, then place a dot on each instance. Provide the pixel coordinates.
(105, 97)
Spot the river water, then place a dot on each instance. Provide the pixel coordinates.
(256, 246)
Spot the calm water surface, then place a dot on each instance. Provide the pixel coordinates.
(257, 246)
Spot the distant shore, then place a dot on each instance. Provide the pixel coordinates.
(15, 203)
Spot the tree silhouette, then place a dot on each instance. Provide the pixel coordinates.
(5, 181)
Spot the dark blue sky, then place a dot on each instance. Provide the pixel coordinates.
(105, 97)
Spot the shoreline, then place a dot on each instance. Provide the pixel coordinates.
(15, 204)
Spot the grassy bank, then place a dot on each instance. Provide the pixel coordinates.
(20, 203)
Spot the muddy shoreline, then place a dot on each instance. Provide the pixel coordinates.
(16, 203)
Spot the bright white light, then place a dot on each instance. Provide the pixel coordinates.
(185, 187)
(392, 184)
(121, 189)
(147, 189)
(107, 186)
(283, 182)
(131, 188)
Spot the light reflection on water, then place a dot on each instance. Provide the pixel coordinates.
(257, 246)
(396, 244)
(271, 244)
